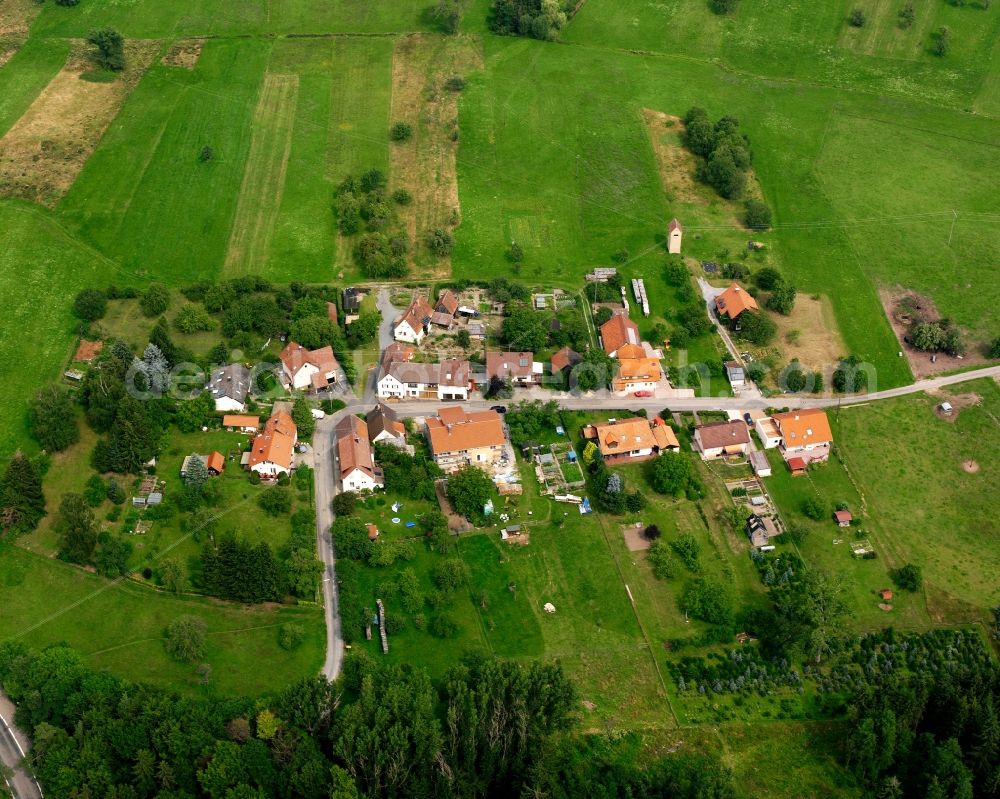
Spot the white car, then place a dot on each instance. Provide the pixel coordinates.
(318, 414)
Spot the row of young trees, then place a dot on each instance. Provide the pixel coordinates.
(488, 728)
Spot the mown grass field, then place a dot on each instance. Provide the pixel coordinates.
(931, 511)
(119, 626)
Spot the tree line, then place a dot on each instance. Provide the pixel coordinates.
(487, 728)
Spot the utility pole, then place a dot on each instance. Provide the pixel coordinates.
(954, 219)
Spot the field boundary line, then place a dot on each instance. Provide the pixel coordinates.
(638, 621)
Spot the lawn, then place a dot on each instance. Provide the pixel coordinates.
(827, 547)
(803, 41)
(220, 19)
(119, 626)
(901, 449)
(41, 268)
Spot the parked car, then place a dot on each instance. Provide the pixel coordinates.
(643, 394)
(748, 419)
(499, 408)
(318, 414)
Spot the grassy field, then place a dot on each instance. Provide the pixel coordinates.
(25, 75)
(119, 626)
(900, 448)
(41, 267)
(172, 213)
(219, 18)
(803, 41)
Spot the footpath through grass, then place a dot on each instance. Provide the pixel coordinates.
(120, 625)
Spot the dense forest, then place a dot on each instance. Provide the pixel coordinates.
(488, 728)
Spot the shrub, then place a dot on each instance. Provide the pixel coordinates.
(722, 7)
(185, 639)
(206, 154)
(857, 18)
(454, 83)
(402, 197)
(709, 601)
(758, 215)
(908, 577)
(662, 561)
(344, 503)
(110, 48)
(439, 242)
(756, 327)
(155, 300)
(372, 180)
(67, 3)
(90, 305)
(275, 501)
(687, 549)
(907, 15)
(290, 636)
(443, 626)
(942, 41)
(192, 319)
(813, 508)
(401, 131)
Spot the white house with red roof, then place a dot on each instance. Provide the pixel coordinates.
(309, 370)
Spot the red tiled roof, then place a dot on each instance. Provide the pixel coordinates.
(276, 442)
(239, 420)
(509, 364)
(453, 430)
(416, 314)
(294, 356)
(723, 434)
(565, 358)
(447, 302)
(618, 331)
(734, 301)
(354, 451)
(216, 462)
(804, 427)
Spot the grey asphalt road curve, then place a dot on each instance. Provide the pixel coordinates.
(13, 746)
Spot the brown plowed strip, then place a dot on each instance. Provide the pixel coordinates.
(426, 164)
(44, 151)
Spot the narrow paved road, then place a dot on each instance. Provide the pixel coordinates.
(325, 480)
(597, 401)
(13, 746)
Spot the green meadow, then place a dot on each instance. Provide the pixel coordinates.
(119, 626)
